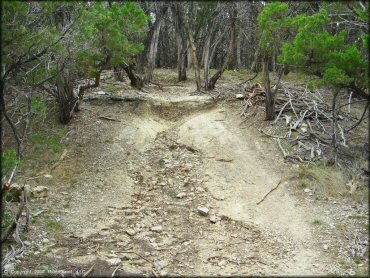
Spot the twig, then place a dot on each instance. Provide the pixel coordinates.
(114, 272)
(264, 197)
(281, 148)
(224, 160)
(109, 119)
(250, 79)
(89, 271)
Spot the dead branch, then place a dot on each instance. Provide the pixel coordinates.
(89, 271)
(264, 197)
(109, 119)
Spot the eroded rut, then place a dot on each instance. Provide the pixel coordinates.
(134, 205)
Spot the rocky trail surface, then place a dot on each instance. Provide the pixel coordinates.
(168, 184)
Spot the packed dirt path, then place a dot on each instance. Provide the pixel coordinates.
(168, 184)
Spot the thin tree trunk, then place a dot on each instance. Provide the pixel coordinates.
(153, 47)
(181, 42)
(334, 126)
(238, 48)
(270, 99)
(189, 57)
(195, 61)
(193, 46)
(255, 64)
(217, 75)
(207, 60)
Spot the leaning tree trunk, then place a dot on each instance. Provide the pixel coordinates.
(270, 97)
(217, 75)
(153, 47)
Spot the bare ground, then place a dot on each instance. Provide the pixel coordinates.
(126, 197)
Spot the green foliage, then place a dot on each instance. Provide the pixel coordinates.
(7, 221)
(113, 34)
(9, 159)
(320, 53)
(273, 22)
(51, 142)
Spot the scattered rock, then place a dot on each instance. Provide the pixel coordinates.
(39, 191)
(326, 247)
(48, 176)
(307, 190)
(214, 219)
(45, 240)
(156, 229)
(181, 195)
(203, 211)
(131, 232)
(9, 268)
(239, 96)
(161, 264)
(114, 261)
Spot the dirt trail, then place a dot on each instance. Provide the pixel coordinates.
(138, 183)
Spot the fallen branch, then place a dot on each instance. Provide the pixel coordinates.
(250, 79)
(281, 148)
(264, 197)
(114, 272)
(89, 271)
(109, 119)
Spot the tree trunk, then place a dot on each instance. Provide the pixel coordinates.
(66, 99)
(193, 46)
(255, 67)
(207, 61)
(334, 125)
(189, 57)
(270, 97)
(136, 80)
(181, 42)
(217, 75)
(238, 48)
(118, 73)
(152, 54)
(195, 61)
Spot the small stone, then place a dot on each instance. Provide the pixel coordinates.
(326, 247)
(27, 243)
(114, 261)
(45, 240)
(48, 176)
(239, 96)
(39, 191)
(9, 268)
(162, 273)
(161, 264)
(156, 229)
(214, 219)
(307, 190)
(181, 195)
(131, 232)
(203, 211)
